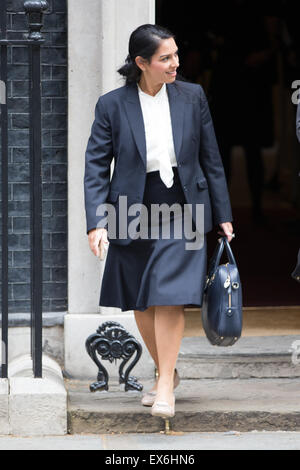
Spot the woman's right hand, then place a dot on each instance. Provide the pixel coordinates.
(98, 241)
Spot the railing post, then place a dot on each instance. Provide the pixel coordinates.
(4, 177)
(34, 10)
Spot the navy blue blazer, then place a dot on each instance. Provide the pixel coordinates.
(118, 132)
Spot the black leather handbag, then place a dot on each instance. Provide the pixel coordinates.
(222, 306)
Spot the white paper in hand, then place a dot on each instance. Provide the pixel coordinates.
(103, 247)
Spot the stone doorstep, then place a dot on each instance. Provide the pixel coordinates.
(250, 385)
(249, 357)
(206, 405)
(248, 346)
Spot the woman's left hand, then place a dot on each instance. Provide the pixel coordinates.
(227, 230)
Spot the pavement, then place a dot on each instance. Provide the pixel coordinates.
(230, 440)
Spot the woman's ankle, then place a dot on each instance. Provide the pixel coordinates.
(165, 383)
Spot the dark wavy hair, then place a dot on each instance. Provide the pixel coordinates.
(144, 41)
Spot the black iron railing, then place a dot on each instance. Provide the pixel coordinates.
(34, 10)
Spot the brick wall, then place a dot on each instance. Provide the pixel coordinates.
(54, 160)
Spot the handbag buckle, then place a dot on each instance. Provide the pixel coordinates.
(230, 311)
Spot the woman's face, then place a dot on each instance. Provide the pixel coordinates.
(163, 65)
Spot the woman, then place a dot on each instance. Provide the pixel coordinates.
(160, 133)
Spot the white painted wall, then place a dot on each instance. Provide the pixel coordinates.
(99, 32)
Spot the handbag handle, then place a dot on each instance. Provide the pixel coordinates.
(215, 260)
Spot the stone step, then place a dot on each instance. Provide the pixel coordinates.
(249, 357)
(202, 405)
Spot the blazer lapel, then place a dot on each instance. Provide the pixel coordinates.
(176, 102)
(135, 118)
(136, 121)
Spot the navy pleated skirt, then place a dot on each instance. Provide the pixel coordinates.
(157, 271)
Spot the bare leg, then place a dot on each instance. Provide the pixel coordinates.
(169, 328)
(145, 323)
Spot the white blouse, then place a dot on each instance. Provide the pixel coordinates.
(159, 137)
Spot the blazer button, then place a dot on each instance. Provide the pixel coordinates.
(179, 164)
(185, 188)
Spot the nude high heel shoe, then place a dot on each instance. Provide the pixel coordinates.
(163, 409)
(149, 397)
